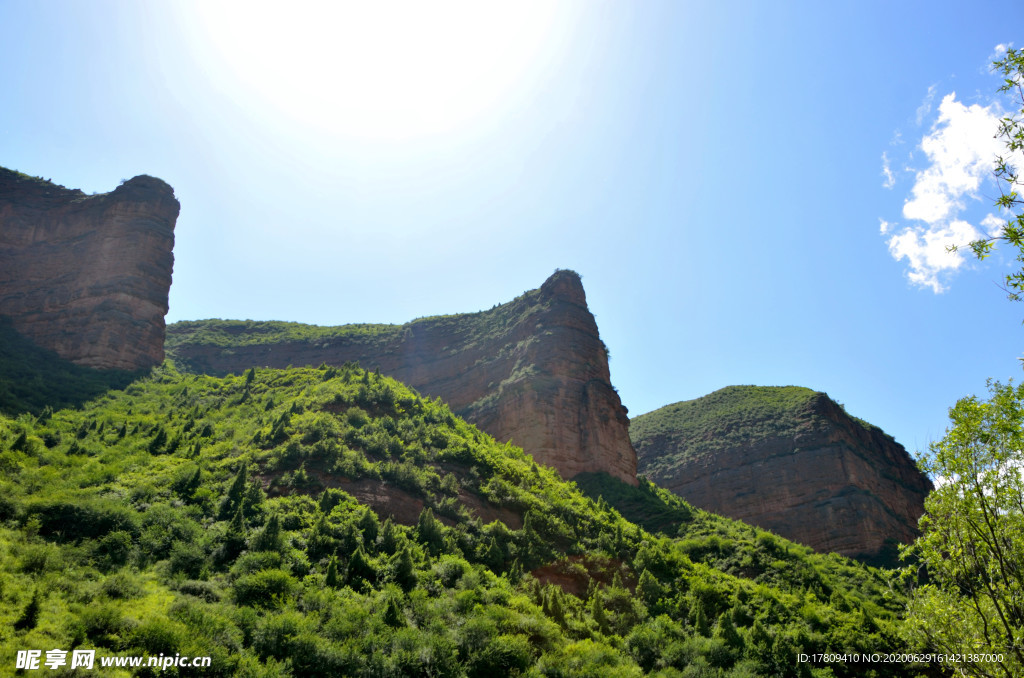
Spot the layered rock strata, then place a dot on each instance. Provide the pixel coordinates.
(533, 371)
(789, 460)
(87, 276)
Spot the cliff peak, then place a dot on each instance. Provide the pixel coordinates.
(87, 276)
(144, 186)
(565, 284)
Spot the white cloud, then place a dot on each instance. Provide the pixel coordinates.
(959, 153)
(999, 52)
(992, 225)
(926, 106)
(883, 226)
(890, 178)
(961, 149)
(925, 250)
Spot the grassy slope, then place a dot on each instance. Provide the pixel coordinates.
(735, 415)
(129, 527)
(473, 327)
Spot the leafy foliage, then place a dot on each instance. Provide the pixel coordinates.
(219, 516)
(972, 541)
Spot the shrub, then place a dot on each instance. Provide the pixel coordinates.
(266, 588)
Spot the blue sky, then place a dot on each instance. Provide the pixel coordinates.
(721, 174)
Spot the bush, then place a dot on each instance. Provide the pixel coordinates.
(266, 588)
(76, 519)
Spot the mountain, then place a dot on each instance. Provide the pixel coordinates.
(87, 276)
(330, 521)
(533, 370)
(790, 460)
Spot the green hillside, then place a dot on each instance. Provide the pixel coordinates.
(197, 515)
(473, 328)
(734, 415)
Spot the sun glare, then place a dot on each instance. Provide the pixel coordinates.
(381, 70)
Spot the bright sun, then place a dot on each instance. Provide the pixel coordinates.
(382, 70)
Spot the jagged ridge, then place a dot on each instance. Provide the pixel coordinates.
(533, 371)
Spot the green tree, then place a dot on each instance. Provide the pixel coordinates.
(332, 573)
(972, 541)
(429, 531)
(360, 569)
(233, 499)
(404, 571)
(269, 538)
(597, 613)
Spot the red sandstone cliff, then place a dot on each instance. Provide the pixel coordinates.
(533, 371)
(88, 276)
(803, 469)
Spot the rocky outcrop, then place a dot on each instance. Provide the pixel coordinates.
(87, 276)
(533, 371)
(789, 460)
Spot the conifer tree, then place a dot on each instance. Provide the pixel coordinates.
(232, 501)
(388, 541)
(330, 498)
(332, 573)
(156, 445)
(727, 632)
(30, 615)
(515, 572)
(360, 569)
(234, 539)
(404, 570)
(597, 612)
(555, 609)
(194, 483)
(429, 532)
(269, 538)
(369, 525)
(617, 581)
(320, 543)
(649, 588)
(393, 615)
(252, 502)
(700, 622)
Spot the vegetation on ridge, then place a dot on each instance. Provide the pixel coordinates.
(734, 415)
(207, 516)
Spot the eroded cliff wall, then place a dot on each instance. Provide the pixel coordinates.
(533, 371)
(87, 276)
(789, 460)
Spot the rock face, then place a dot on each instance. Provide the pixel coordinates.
(88, 276)
(533, 371)
(789, 460)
